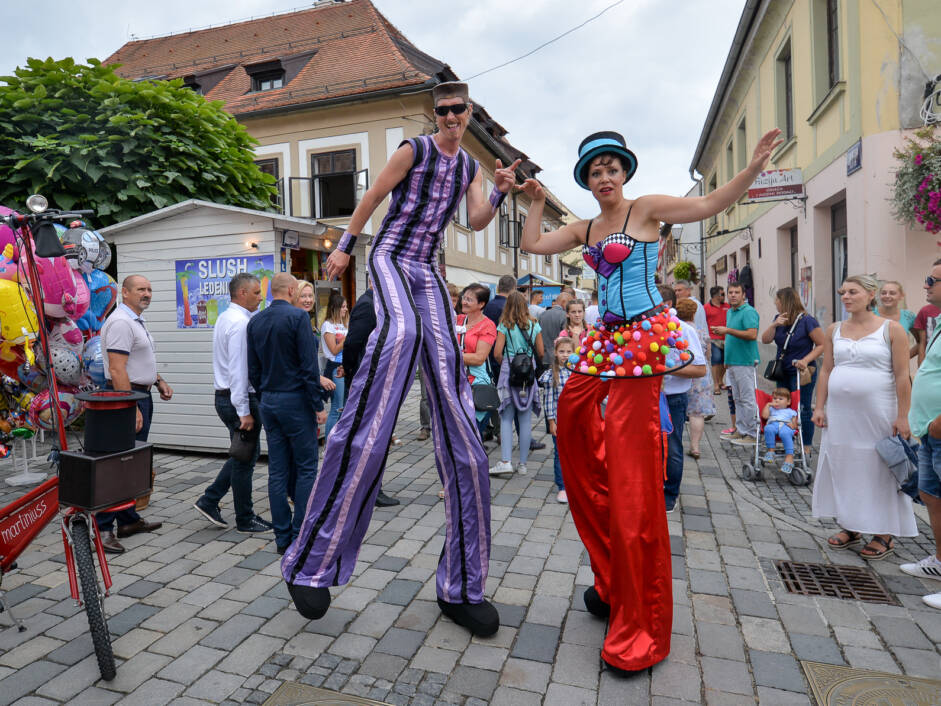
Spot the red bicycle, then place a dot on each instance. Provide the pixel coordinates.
(23, 519)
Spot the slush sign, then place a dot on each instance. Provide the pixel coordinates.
(202, 286)
(777, 185)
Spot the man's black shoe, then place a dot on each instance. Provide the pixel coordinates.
(481, 619)
(311, 602)
(210, 513)
(536, 445)
(383, 500)
(255, 526)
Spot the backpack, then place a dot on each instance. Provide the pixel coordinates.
(522, 367)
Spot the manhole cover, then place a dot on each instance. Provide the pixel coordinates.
(293, 694)
(835, 581)
(835, 685)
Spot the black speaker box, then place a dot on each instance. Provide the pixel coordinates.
(98, 481)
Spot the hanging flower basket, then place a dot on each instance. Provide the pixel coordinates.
(686, 270)
(917, 197)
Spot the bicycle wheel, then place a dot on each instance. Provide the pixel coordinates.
(85, 566)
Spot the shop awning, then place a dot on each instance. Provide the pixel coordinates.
(536, 280)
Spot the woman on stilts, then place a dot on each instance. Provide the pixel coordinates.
(613, 466)
(427, 177)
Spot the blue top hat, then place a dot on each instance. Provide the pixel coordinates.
(603, 143)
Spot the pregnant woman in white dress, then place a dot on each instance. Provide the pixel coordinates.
(862, 396)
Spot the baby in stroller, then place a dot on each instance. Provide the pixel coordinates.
(781, 423)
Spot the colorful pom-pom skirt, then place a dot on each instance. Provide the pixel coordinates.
(648, 345)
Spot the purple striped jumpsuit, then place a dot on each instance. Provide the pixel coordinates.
(415, 324)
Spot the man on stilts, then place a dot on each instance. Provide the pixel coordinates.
(427, 177)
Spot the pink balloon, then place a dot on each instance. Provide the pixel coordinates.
(6, 234)
(65, 293)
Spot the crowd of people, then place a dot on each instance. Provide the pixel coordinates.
(852, 380)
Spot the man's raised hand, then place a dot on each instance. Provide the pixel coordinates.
(505, 177)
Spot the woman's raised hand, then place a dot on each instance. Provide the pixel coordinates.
(766, 145)
(533, 189)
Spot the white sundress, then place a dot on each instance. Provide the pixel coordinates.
(853, 484)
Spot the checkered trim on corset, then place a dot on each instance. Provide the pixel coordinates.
(622, 238)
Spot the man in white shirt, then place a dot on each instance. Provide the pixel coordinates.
(684, 290)
(130, 364)
(676, 388)
(591, 312)
(535, 304)
(236, 405)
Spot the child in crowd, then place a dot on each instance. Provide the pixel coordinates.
(553, 380)
(781, 424)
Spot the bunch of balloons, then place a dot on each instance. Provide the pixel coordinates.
(77, 297)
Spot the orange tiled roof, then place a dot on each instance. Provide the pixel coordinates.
(355, 50)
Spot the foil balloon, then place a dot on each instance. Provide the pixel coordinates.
(18, 321)
(6, 233)
(40, 412)
(103, 293)
(82, 248)
(9, 267)
(31, 376)
(65, 294)
(104, 253)
(67, 364)
(94, 361)
(66, 334)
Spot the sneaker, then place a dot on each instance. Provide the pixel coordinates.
(671, 509)
(927, 568)
(933, 599)
(562, 497)
(727, 432)
(786, 468)
(255, 526)
(521, 469)
(733, 437)
(741, 439)
(423, 435)
(210, 513)
(769, 457)
(501, 468)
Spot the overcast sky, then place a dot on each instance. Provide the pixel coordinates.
(646, 68)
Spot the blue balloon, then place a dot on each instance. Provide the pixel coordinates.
(103, 293)
(94, 361)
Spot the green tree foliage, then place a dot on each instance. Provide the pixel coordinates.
(86, 138)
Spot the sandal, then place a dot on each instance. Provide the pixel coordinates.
(693, 454)
(844, 539)
(871, 553)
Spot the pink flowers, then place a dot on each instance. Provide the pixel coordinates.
(917, 196)
(918, 159)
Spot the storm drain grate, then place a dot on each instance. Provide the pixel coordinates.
(848, 582)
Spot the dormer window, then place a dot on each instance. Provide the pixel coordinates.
(268, 81)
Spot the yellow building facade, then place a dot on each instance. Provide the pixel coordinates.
(843, 80)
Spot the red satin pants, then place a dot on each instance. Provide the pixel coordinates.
(613, 472)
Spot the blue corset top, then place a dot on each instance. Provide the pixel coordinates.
(625, 269)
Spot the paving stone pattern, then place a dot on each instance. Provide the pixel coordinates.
(201, 615)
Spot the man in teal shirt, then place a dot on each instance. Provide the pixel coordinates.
(741, 357)
(924, 417)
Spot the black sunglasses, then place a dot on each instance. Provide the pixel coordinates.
(931, 281)
(457, 109)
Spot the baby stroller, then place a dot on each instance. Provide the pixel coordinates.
(800, 474)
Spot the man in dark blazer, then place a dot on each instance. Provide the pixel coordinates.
(362, 323)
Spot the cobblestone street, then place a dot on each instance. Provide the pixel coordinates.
(201, 615)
